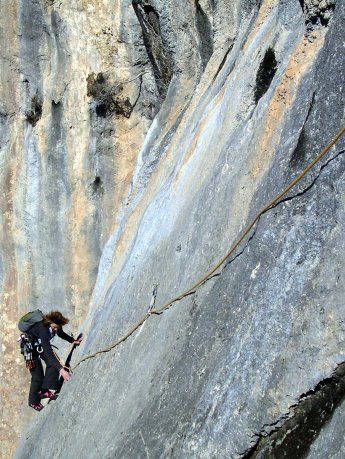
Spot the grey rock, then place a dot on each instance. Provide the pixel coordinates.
(329, 440)
(248, 93)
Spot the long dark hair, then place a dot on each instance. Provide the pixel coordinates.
(54, 317)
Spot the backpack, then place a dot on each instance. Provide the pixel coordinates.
(30, 319)
(27, 342)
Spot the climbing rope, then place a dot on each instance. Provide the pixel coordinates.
(61, 362)
(271, 204)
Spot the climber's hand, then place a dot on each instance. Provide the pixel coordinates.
(64, 374)
(78, 341)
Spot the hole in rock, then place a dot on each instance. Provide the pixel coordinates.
(97, 186)
(101, 110)
(266, 72)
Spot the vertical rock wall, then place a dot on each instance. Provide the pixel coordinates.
(78, 92)
(137, 141)
(77, 97)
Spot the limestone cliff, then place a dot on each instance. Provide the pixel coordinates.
(138, 139)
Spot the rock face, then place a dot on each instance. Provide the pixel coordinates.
(76, 102)
(138, 140)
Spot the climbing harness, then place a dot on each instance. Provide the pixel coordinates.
(207, 276)
(28, 345)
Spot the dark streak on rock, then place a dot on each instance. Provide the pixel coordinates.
(289, 198)
(293, 439)
(157, 51)
(97, 187)
(205, 32)
(266, 72)
(223, 62)
(33, 115)
(299, 153)
(139, 93)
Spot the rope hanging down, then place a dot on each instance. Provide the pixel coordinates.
(272, 203)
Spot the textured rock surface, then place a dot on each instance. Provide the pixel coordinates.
(66, 162)
(138, 141)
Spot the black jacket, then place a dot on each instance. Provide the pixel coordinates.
(40, 331)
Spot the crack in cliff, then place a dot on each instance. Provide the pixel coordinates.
(139, 93)
(205, 32)
(6, 115)
(301, 193)
(282, 201)
(223, 61)
(292, 435)
(192, 290)
(235, 257)
(157, 51)
(251, 237)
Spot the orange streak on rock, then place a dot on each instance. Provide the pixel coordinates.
(80, 281)
(11, 367)
(285, 95)
(265, 9)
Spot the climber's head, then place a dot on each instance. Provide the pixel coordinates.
(54, 320)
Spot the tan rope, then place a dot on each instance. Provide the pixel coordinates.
(62, 363)
(227, 255)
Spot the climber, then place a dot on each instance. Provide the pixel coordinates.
(44, 385)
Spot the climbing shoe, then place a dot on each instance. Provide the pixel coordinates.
(36, 407)
(47, 394)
